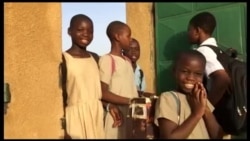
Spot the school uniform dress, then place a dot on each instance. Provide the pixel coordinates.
(84, 111)
(167, 107)
(140, 83)
(121, 82)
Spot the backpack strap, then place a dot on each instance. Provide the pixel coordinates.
(224, 58)
(96, 56)
(64, 79)
(217, 50)
(230, 52)
(141, 78)
(63, 68)
(113, 62)
(176, 96)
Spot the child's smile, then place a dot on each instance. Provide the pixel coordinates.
(189, 86)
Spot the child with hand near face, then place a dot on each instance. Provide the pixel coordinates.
(186, 113)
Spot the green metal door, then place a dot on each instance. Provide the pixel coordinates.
(171, 21)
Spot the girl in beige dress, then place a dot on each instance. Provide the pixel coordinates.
(84, 111)
(119, 81)
(82, 87)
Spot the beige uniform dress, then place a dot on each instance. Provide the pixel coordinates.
(121, 82)
(84, 111)
(166, 107)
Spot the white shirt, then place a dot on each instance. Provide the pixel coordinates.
(138, 81)
(212, 63)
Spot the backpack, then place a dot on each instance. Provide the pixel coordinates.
(231, 111)
(63, 69)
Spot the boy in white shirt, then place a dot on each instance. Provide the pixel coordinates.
(200, 30)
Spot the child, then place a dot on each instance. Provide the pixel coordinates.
(194, 119)
(119, 81)
(200, 30)
(81, 84)
(133, 53)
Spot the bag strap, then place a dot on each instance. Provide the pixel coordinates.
(63, 69)
(95, 56)
(141, 78)
(64, 79)
(176, 96)
(217, 50)
(113, 62)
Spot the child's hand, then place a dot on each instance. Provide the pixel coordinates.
(116, 115)
(197, 100)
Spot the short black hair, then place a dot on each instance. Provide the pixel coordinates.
(192, 53)
(134, 40)
(204, 20)
(113, 28)
(79, 16)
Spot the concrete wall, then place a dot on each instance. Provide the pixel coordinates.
(140, 18)
(32, 52)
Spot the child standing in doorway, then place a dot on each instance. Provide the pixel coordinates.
(200, 29)
(81, 84)
(133, 53)
(119, 81)
(185, 113)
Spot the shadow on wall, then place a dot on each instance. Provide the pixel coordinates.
(174, 44)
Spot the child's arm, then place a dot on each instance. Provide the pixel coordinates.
(170, 130)
(105, 64)
(116, 115)
(214, 129)
(111, 97)
(197, 102)
(114, 112)
(145, 94)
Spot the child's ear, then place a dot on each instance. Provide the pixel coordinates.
(117, 37)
